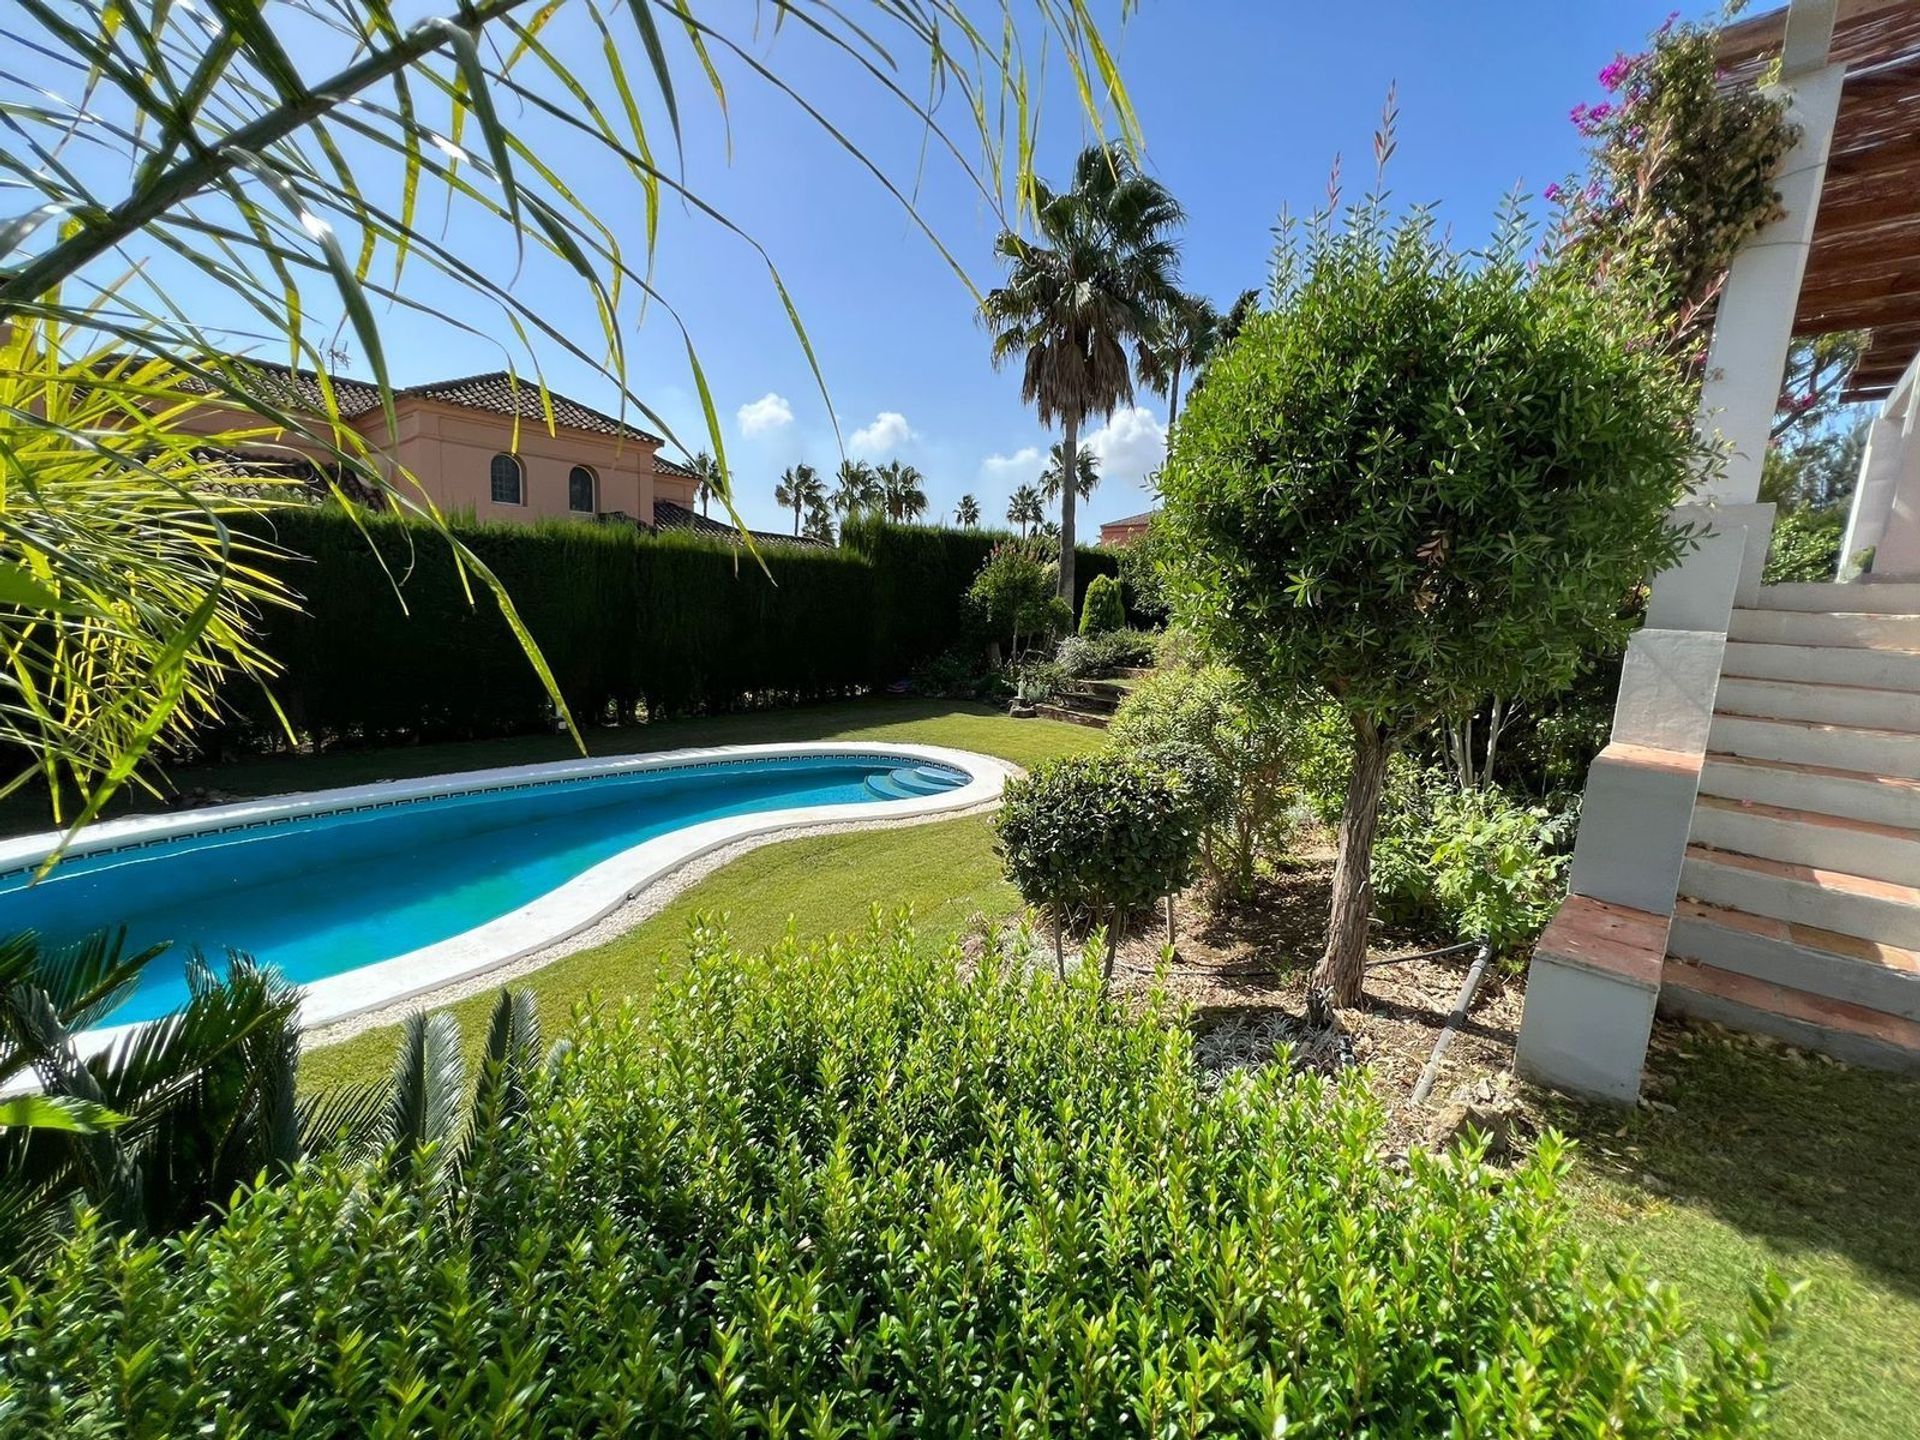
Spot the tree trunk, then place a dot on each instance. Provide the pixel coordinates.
(796, 519)
(1069, 473)
(1341, 974)
(1113, 947)
(1173, 395)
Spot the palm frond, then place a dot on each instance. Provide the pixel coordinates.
(426, 1106)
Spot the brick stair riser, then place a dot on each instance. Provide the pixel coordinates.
(1862, 799)
(1871, 754)
(1795, 627)
(1823, 704)
(1072, 717)
(1824, 665)
(1876, 856)
(1884, 599)
(1677, 997)
(1800, 902)
(1781, 962)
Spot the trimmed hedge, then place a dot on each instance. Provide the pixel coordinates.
(919, 576)
(861, 1189)
(671, 623)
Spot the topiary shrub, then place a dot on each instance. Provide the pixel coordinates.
(1251, 748)
(1423, 478)
(1098, 835)
(864, 1187)
(1104, 609)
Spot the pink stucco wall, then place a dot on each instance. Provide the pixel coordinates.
(448, 451)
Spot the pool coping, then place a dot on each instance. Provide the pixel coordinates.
(558, 914)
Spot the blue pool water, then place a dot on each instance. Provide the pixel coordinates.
(329, 893)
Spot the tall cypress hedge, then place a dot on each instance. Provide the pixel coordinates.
(627, 619)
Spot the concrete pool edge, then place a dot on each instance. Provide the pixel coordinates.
(549, 920)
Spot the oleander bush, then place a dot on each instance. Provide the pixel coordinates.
(1253, 747)
(859, 1188)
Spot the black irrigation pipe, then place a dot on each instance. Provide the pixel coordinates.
(1461, 1006)
(1443, 951)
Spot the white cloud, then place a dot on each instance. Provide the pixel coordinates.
(769, 412)
(1130, 446)
(888, 432)
(1019, 468)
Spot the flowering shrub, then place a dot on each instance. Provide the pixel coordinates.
(1681, 173)
(851, 1189)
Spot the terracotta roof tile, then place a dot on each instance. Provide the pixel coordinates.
(669, 516)
(504, 394)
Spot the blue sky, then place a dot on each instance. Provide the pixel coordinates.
(1244, 106)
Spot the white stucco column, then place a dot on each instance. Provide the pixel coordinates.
(1888, 441)
(1754, 320)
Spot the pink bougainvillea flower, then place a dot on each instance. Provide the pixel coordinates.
(1617, 71)
(1551, 194)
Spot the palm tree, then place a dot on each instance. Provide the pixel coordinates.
(1088, 467)
(967, 513)
(708, 481)
(819, 524)
(159, 1131)
(799, 489)
(1092, 281)
(1025, 509)
(1189, 333)
(902, 491)
(1185, 335)
(856, 489)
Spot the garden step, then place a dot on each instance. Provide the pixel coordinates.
(1850, 794)
(1855, 598)
(1133, 672)
(1801, 837)
(1805, 627)
(1824, 664)
(1862, 705)
(1855, 905)
(1072, 716)
(1087, 699)
(1114, 689)
(1804, 742)
(1884, 978)
(1857, 1034)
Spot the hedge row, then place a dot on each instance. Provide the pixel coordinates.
(626, 619)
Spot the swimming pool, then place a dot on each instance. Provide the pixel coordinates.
(426, 881)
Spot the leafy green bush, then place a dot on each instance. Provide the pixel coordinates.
(1098, 835)
(1251, 746)
(1472, 862)
(1104, 610)
(1805, 546)
(1080, 656)
(858, 1188)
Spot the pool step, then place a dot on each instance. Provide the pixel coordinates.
(913, 782)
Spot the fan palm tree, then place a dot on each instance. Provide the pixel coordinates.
(708, 481)
(856, 489)
(819, 524)
(1025, 509)
(902, 492)
(1188, 333)
(967, 513)
(800, 488)
(160, 1130)
(1087, 464)
(1100, 269)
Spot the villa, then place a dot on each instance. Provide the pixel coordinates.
(1127, 529)
(1749, 846)
(482, 444)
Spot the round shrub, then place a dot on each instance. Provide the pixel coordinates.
(862, 1188)
(1098, 834)
(1104, 609)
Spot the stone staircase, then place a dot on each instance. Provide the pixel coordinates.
(1799, 905)
(1085, 702)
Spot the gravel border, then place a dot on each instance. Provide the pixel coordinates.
(638, 907)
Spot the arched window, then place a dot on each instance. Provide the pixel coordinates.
(580, 488)
(509, 485)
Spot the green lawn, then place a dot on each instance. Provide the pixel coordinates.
(1752, 1157)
